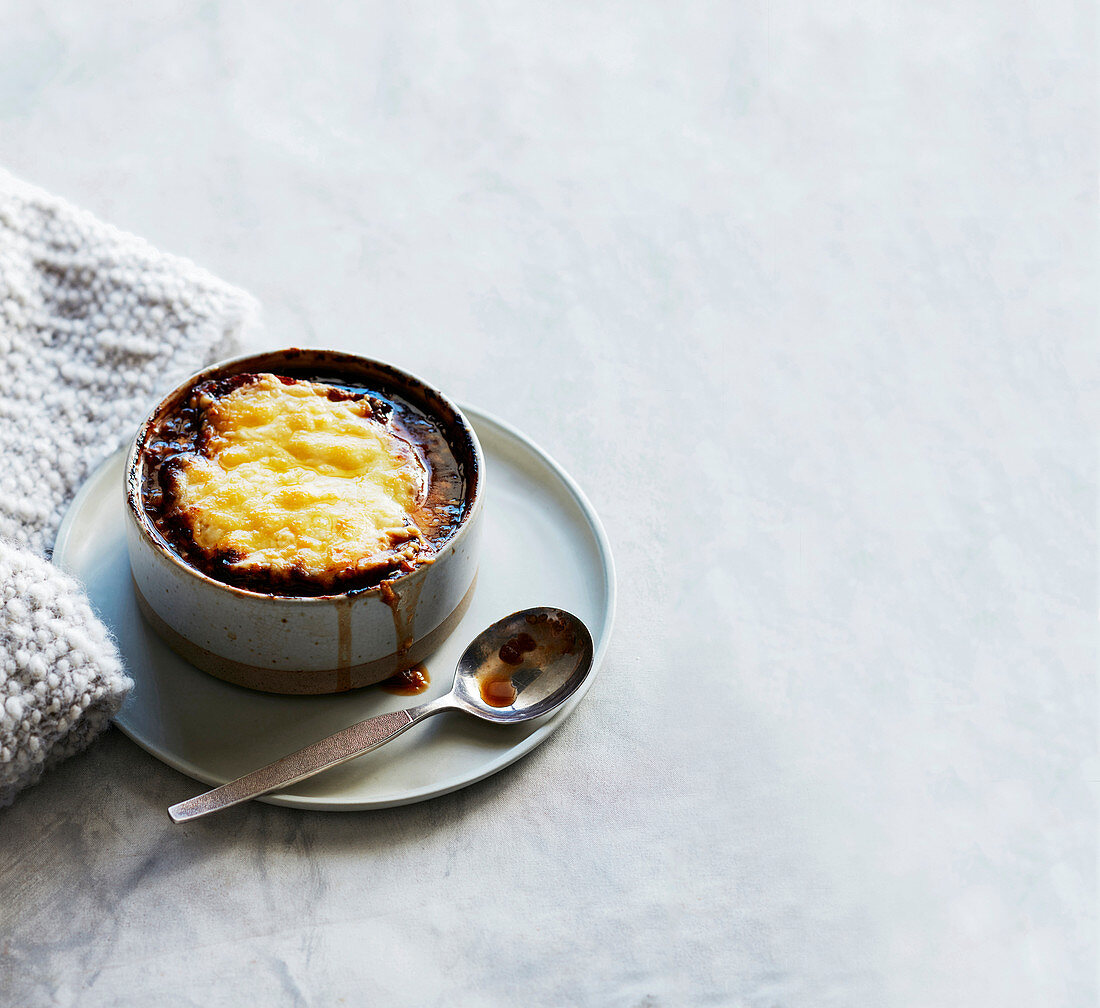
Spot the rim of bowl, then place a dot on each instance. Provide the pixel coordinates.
(414, 382)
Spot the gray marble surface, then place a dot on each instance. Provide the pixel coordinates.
(801, 294)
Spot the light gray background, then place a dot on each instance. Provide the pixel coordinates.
(803, 296)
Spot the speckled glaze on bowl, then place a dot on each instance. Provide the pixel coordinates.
(308, 644)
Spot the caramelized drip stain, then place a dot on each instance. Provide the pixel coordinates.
(343, 645)
(408, 682)
(403, 607)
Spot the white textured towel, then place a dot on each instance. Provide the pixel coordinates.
(94, 323)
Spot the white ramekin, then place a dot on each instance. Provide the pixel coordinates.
(308, 644)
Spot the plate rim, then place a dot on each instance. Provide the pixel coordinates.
(505, 758)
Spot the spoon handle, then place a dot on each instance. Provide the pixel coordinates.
(339, 748)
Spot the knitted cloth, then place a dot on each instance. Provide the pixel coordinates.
(95, 324)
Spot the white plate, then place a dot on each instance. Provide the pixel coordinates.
(542, 545)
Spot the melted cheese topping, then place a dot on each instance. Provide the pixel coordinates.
(294, 481)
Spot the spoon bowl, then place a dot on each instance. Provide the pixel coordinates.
(544, 653)
(521, 667)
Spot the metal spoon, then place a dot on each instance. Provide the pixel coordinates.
(543, 654)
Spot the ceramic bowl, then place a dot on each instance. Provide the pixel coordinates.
(308, 644)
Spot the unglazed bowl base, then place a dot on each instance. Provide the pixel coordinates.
(292, 681)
